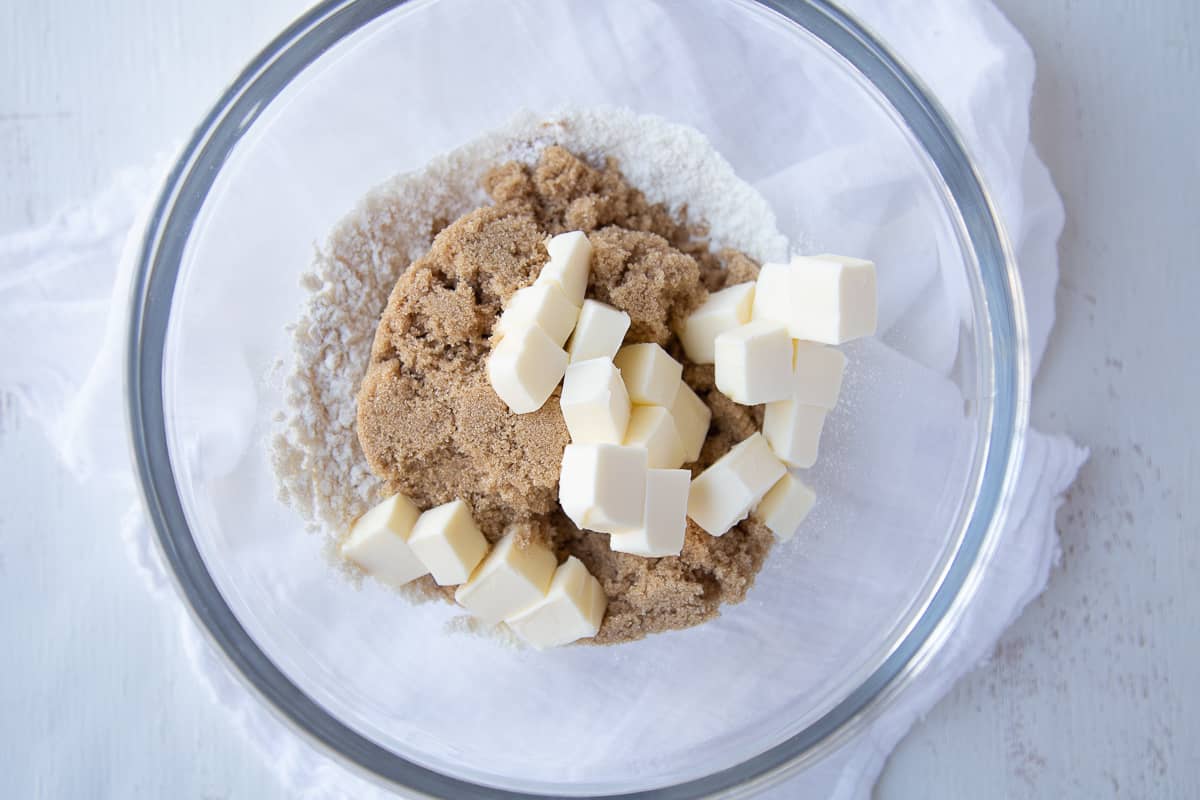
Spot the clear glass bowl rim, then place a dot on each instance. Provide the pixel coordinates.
(169, 226)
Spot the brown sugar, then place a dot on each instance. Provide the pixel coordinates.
(431, 426)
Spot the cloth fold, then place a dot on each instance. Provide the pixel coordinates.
(64, 285)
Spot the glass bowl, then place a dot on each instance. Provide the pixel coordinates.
(918, 460)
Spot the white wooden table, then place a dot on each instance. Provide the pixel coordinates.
(1093, 693)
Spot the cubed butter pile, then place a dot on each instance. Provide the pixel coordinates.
(770, 343)
(633, 423)
(544, 603)
(528, 360)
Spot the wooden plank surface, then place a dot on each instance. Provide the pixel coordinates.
(1092, 694)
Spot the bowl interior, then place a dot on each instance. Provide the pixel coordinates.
(900, 457)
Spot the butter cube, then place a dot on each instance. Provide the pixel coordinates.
(756, 466)
(724, 494)
(524, 368)
(572, 609)
(692, 417)
(598, 332)
(448, 542)
(602, 487)
(754, 363)
(569, 265)
(595, 404)
(825, 298)
(817, 374)
(794, 431)
(653, 428)
(651, 376)
(722, 311)
(378, 542)
(664, 520)
(543, 305)
(785, 506)
(510, 580)
(717, 500)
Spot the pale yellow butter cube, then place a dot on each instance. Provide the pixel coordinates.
(448, 542)
(543, 305)
(692, 417)
(510, 580)
(717, 500)
(794, 431)
(664, 519)
(569, 264)
(594, 402)
(817, 374)
(524, 369)
(756, 466)
(825, 298)
(602, 487)
(651, 375)
(572, 609)
(722, 311)
(754, 363)
(653, 428)
(785, 506)
(598, 332)
(378, 542)
(724, 494)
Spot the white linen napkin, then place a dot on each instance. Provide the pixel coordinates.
(64, 286)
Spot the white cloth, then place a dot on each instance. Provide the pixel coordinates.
(60, 288)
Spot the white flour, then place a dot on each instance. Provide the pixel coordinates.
(321, 471)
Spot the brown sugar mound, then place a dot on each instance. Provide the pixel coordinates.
(432, 427)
